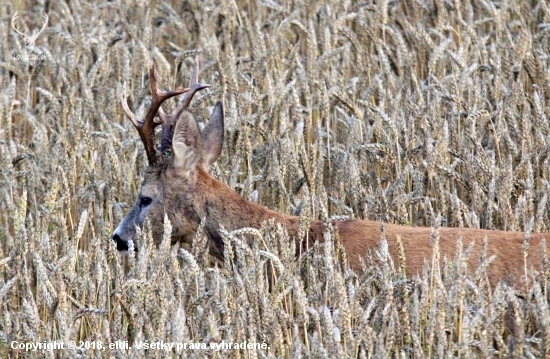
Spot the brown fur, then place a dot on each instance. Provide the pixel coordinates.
(227, 208)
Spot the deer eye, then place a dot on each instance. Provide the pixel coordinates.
(145, 201)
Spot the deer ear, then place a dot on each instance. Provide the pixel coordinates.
(186, 143)
(212, 137)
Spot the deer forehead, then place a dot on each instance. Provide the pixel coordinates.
(150, 189)
(167, 179)
(150, 184)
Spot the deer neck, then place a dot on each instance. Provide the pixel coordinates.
(220, 206)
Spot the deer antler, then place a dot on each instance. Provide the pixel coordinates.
(14, 23)
(147, 126)
(46, 18)
(35, 34)
(168, 120)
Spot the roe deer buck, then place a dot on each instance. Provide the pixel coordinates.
(177, 183)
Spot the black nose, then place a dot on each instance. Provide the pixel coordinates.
(120, 244)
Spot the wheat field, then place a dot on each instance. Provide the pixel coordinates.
(417, 112)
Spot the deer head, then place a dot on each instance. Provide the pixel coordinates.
(30, 40)
(169, 181)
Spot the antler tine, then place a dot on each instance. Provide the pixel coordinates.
(168, 120)
(46, 18)
(125, 107)
(159, 96)
(194, 85)
(14, 22)
(147, 126)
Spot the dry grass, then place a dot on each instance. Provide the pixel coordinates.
(398, 111)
